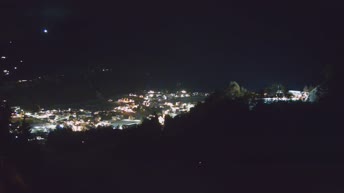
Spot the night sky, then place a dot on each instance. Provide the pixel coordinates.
(203, 43)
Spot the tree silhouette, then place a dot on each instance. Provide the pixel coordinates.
(150, 127)
(273, 89)
(233, 91)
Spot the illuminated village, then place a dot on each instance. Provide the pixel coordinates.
(127, 111)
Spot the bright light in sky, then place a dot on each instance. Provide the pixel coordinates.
(45, 31)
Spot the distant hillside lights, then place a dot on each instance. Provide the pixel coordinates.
(7, 64)
(294, 95)
(6, 72)
(106, 70)
(298, 95)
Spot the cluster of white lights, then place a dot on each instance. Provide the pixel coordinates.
(125, 100)
(6, 72)
(124, 109)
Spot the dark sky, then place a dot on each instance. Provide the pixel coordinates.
(206, 43)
